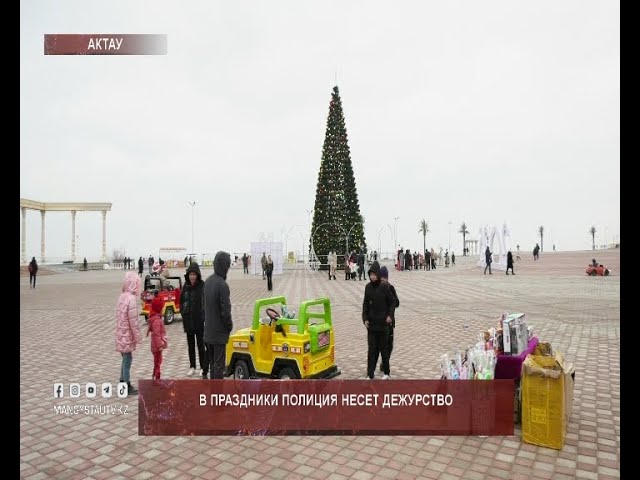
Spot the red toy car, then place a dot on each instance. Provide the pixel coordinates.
(168, 289)
(597, 269)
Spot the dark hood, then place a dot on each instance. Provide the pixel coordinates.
(221, 264)
(375, 268)
(194, 268)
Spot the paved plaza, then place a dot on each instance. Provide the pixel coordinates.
(67, 335)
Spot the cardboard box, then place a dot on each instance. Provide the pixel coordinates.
(506, 337)
(510, 326)
(569, 383)
(547, 400)
(522, 337)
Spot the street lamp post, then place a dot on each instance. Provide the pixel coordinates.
(395, 232)
(393, 247)
(193, 204)
(379, 237)
(309, 212)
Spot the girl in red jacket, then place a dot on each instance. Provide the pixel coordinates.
(158, 335)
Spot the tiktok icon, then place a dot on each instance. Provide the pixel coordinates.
(123, 389)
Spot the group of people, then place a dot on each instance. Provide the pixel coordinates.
(128, 263)
(378, 316)
(405, 260)
(207, 322)
(488, 259)
(267, 270)
(354, 265)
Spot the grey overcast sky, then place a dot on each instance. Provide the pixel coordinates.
(483, 112)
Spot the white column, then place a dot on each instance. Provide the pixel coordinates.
(42, 212)
(24, 235)
(73, 236)
(104, 235)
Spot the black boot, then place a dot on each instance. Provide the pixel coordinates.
(132, 390)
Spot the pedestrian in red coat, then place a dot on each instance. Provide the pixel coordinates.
(158, 335)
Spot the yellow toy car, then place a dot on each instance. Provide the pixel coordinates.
(280, 346)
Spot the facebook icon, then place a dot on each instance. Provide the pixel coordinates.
(58, 389)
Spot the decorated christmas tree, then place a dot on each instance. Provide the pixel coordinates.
(336, 214)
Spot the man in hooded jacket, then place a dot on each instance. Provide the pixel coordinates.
(378, 309)
(217, 314)
(193, 318)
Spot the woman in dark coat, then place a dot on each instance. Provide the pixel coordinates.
(510, 263)
(193, 319)
(33, 271)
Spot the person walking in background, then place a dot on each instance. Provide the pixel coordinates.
(140, 266)
(245, 264)
(347, 273)
(85, 264)
(433, 259)
(217, 314)
(150, 263)
(377, 314)
(488, 259)
(158, 335)
(427, 259)
(536, 252)
(453, 258)
(193, 319)
(127, 328)
(333, 267)
(361, 261)
(353, 268)
(384, 278)
(510, 263)
(33, 272)
(263, 260)
(269, 271)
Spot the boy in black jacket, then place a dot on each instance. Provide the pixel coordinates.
(384, 278)
(377, 314)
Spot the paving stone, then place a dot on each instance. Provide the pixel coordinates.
(579, 315)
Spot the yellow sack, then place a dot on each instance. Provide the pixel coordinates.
(547, 398)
